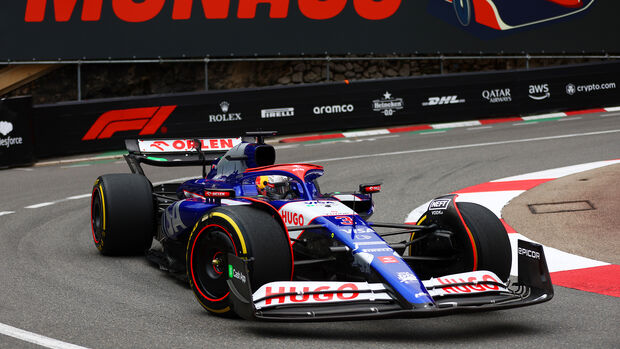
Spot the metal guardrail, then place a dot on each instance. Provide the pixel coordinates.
(327, 59)
(303, 58)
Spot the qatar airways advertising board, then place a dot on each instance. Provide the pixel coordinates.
(139, 29)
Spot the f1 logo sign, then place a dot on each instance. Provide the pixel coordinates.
(147, 120)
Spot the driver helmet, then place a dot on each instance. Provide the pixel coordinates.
(274, 187)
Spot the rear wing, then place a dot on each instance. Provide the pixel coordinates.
(175, 152)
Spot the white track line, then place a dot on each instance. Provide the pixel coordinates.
(319, 143)
(84, 196)
(182, 179)
(4, 213)
(543, 116)
(456, 124)
(43, 204)
(36, 338)
(479, 128)
(570, 119)
(465, 146)
(77, 197)
(558, 172)
(277, 147)
(610, 114)
(384, 137)
(430, 133)
(75, 166)
(366, 133)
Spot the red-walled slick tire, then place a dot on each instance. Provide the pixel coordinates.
(245, 231)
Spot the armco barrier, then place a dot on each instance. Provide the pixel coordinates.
(16, 147)
(80, 127)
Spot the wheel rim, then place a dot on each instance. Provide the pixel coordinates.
(463, 11)
(97, 216)
(209, 261)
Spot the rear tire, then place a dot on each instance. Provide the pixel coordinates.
(122, 214)
(245, 231)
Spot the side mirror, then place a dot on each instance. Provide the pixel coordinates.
(370, 188)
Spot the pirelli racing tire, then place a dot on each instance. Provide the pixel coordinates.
(122, 214)
(479, 242)
(245, 231)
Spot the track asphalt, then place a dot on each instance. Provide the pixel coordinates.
(56, 287)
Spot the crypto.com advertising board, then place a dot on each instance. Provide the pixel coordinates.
(127, 29)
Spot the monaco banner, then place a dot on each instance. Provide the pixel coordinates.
(140, 29)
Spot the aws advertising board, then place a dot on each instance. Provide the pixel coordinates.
(127, 29)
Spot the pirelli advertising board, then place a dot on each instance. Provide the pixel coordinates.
(128, 29)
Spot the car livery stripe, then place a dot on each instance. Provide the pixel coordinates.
(235, 226)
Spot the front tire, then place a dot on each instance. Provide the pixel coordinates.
(479, 242)
(122, 214)
(247, 232)
(492, 242)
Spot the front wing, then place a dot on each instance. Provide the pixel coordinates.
(331, 301)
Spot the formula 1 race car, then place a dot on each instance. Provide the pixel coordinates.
(262, 241)
(510, 14)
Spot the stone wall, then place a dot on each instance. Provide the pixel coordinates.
(121, 80)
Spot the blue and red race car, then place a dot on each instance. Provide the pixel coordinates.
(262, 241)
(511, 14)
